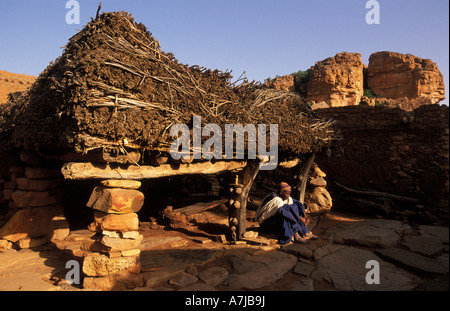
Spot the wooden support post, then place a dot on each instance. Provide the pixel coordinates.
(305, 168)
(237, 204)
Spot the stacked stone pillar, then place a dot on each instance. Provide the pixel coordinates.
(113, 262)
(317, 198)
(36, 215)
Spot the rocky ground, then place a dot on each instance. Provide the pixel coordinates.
(410, 258)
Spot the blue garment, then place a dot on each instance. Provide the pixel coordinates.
(289, 215)
(287, 222)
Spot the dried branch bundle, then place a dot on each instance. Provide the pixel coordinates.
(114, 83)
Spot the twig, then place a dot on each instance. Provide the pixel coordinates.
(98, 11)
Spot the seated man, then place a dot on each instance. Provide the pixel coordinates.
(280, 213)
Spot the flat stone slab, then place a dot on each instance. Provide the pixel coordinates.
(439, 283)
(327, 249)
(214, 276)
(79, 235)
(443, 260)
(183, 279)
(426, 245)
(304, 285)
(28, 270)
(198, 287)
(304, 268)
(257, 271)
(346, 270)
(299, 250)
(413, 260)
(157, 241)
(125, 184)
(377, 233)
(159, 266)
(437, 232)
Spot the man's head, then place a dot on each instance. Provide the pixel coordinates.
(285, 190)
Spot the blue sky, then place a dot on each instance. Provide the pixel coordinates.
(264, 38)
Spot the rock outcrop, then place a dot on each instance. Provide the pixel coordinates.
(394, 75)
(338, 80)
(397, 80)
(283, 83)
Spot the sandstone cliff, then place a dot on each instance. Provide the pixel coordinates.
(283, 83)
(398, 80)
(338, 80)
(394, 75)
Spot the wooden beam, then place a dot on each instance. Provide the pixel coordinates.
(88, 170)
(83, 170)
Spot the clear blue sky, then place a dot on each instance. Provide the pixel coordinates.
(264, 38)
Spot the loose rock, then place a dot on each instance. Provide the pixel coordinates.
(116, 200)
(101, 265)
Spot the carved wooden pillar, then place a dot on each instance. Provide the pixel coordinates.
(304, 169)
(237, 203)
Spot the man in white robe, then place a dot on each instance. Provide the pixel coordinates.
(280, 213)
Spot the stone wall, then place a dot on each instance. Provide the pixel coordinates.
(35, 214)
(392, 150)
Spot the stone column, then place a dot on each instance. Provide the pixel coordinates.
(36, 212)
(318, 199)
(114, 259)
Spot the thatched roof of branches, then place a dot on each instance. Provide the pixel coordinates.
(113, 83)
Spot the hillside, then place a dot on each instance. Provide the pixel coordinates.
(13, 82)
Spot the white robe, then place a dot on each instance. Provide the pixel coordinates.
(265, 211)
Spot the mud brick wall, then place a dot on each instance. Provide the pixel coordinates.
(392, 150)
